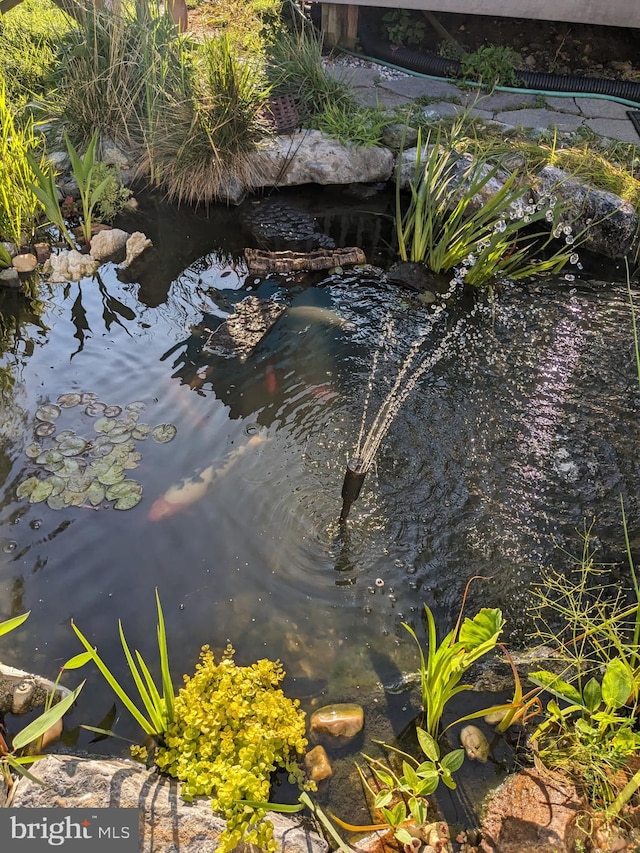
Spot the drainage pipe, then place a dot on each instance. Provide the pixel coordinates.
(540, 83)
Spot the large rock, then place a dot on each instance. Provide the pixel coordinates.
(612, 223)
(337, 725)
(69, 266)
(136, 245)
(167, 824)
(107, 244)
(312, 157)
(530, 813)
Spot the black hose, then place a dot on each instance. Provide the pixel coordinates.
(438, 66)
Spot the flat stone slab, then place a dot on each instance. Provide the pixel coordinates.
(563, 105)
(167, 823)
(540, 118)
(599, 108)
(416, 87)
(619, 129)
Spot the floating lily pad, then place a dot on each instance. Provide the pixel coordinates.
(25, 489)
(64, 433)
(72, 445)
(163, 433)
(112, 411)
(33, 450)
(68, 401)
(114, 475)
(131, 460)
(54, 467)
(119, 435)
(47, 457)
(88, 397)
(141, 431)
(70, 466)
(48, 412)
(58, 485)
(44, 429)
(104, 425)
(56, 501)
(126, 494)
(79, 482)
(41, 492)
(137, 406)
(101, 449)
(95, 493)
(95, 409)
(73, 498)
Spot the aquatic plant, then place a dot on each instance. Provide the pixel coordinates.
(29, 738)
(443, 664)
(233, 728)
(45, 190)
(82, 168)
(592, 735)
(88, 471)
(158, 701)
(450, 227)
(5, 257)
(113, 195)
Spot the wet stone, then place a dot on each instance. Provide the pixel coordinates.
(338, 724)
(317, 764)
(25, 263)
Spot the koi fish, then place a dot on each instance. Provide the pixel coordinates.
(181, 496)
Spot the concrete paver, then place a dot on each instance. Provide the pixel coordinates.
(563, 105)
(541, 118)
(602, 108)
(618, 129)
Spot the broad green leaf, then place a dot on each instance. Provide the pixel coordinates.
(384, 777)
(44, 722)
(592, 694)
(448, 780)
(25, 489)
(617, 684)
(418, 809)
(557, 687)
(410, 776)
(485, 626)
(403, 836)
(382, 799)
(78, 660)
(453, 761)
(396, 815)
(428, 744)
(13, 623)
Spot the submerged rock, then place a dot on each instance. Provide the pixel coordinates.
(317, 764)
(475, 743)
(25, 263)
(338, 724)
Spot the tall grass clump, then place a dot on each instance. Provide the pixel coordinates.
(295, 67)
(201, 138)
(30, 35)
(18, 204)
(453, 224)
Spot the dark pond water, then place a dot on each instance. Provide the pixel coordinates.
(523, 427)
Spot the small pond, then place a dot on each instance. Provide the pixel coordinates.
(525, 425)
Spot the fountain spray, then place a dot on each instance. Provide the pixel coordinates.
(417, 363)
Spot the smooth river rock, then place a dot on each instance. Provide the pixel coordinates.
(167, 824)
(336, 725)
(317, 764)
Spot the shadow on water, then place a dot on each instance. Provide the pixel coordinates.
(524, 425)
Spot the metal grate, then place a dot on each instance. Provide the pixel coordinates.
(282, 113)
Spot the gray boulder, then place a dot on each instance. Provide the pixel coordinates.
(69, 266)
(312, 157)
(612, 223)
(167, 823)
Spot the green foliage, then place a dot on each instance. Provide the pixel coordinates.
(30, 737)
(590, 727)
(294, 66)
(404, 27)
(5, 257)
(45, 191)
(233, 728)
(443, 664)
(30, 34)
(159, 708)
(113, 196)
(491, 65)
(82, 168)
(352, 124)
(19, 147)
(450, 226)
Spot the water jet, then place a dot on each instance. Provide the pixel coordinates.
(351, 485)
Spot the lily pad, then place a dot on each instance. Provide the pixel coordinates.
(88, 397)
(56, 501)
(68, 401)
(141, 431)
(95, 493)
(163, 433)
(137, 406)
(70, 466)
(72, 445)
(113, 475)
(58, 485)
(25, 489)
(95, 409)
(131, 460)
(80, 482)
(54, 467)
(33, 450)
(73, 498)
(44, 429)
(112, 411)
(119, 435)
(41, 491)
(104, 425)
(47, 457)
(48, 412)
(100, 449)
(126, 494)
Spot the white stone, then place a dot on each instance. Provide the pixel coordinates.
(136, 244)
(105, 244)
(312, 157)
(69, 266)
